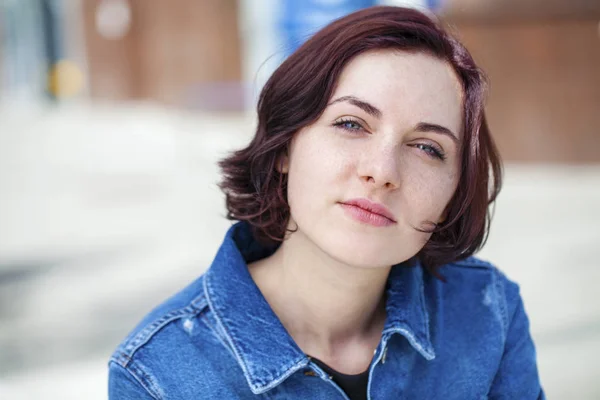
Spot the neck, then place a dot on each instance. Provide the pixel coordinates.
(327, 306)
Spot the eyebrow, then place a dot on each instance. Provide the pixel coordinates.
(376, 112)
(366, 107)
(429, 127)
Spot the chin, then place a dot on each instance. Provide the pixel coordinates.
(364, 251)
(356, 245)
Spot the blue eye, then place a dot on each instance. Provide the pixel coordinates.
(348, 124)
(431, 151)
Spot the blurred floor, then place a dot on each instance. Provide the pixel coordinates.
(106, 211)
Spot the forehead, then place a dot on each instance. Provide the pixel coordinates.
(410, 86)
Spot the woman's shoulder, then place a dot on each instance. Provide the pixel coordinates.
(187, 303)
(473, 270)
(476, 279)
(472, 262)
(168, 348)
(485, 311)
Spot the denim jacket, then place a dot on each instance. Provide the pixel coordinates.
(218, 338)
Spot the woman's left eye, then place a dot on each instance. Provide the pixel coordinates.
(431, 151)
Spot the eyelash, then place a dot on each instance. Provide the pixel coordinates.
(429, 150)
(343, 121)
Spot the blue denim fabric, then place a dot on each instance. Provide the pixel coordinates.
(219, 339)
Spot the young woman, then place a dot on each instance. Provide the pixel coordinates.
(361, 199)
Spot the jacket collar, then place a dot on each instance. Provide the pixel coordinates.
(406, 308)
(265, 351)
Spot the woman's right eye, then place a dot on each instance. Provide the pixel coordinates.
(348, 124)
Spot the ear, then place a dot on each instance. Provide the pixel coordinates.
(443, 217)
(283, 164)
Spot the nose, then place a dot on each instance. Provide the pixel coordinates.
(379, 167)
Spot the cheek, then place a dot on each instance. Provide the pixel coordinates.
(428, 190)
(314, 168)
(317, 159)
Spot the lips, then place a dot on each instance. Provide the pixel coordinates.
(367, 211)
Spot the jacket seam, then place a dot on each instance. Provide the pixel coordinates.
(148, 379)
(143, 379)
(143, 336)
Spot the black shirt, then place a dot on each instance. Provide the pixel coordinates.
(355, 386)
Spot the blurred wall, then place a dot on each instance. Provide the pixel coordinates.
(181, 55)
(545, 86)
(542, 57)
(543, 61)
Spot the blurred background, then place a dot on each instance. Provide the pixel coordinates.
(114, 112)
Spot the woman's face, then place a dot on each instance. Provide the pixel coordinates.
(387, 143)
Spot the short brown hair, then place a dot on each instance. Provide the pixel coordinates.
(297, 94)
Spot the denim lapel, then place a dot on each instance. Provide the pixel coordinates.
(262, 346)
(406, 310)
